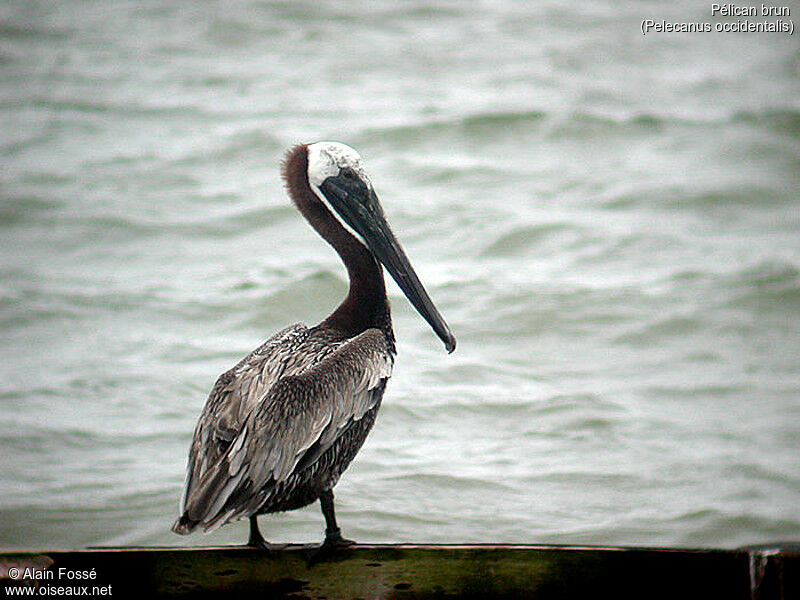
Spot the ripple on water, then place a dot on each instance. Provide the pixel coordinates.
(541, 238)
(782, 121)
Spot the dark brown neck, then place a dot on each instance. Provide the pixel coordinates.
(366, 304)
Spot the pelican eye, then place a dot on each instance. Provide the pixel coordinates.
(348, 173)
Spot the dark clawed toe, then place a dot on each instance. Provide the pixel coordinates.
(331, 545)
(334, 540)
(337, 542)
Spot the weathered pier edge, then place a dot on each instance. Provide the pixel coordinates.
(422, 571)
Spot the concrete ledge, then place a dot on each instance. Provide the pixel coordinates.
(416, 571)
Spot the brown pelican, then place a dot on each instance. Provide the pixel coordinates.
(280, 427)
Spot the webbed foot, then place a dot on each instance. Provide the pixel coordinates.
(334, 542)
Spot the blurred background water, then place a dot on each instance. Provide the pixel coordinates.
(608, 221)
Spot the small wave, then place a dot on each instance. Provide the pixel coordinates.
(667, 327)
(301, 299)
(609, 480)
(758, 474)
(488, 126)
(584, 124)
(236, 223)
(129, 226)
(318, 283)
(480, 122)
(774, 283)
(446, 482)
(236, 146)
(785, 121)
(742, 196)
(453, 412)
(27, 32)
(713, 526)
(124, 110)
(767, 274)
(574, 403)
(467, 369)
(46, 440)
(383, 517)
(481, 125)
(14, 147)
(696, 391)
(700, 201)
(117, 225)
(16, 210)
(520, 239)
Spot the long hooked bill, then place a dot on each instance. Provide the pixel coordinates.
(361, 210)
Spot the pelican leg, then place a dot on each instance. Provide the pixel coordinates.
(333, 535)
(257, 540)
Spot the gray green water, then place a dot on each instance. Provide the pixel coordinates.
(608, 221)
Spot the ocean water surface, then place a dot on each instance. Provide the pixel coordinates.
(608, 221)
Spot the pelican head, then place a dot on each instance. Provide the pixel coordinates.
(337, 177)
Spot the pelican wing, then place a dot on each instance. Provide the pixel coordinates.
(234, 395)
(299, 418)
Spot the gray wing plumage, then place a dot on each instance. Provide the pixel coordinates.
(234, 395)
(269, 423)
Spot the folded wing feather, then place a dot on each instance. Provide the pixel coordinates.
(312, 408)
